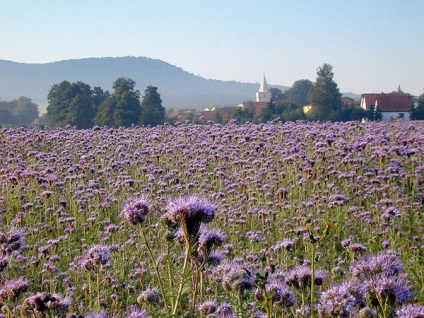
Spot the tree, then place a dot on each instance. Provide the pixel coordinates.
(128, 110)
(353, 112)
(417, 112)
(325, 96)
(373, 114)
(286, 111)
(243, 115)
(19, 112)
(152, 111)
(277, 95)
(26, 111)
(70, 104)
(122, 108)
(98, 96)
(299, 92)
(80, 112)
(6, 118)
(105, 113)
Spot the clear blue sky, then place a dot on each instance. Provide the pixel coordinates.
(373, 45)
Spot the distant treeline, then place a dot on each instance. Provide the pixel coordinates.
(18, 112)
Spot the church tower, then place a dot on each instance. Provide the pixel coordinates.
(263, 95)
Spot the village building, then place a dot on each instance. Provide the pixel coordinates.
(392, 105)
(263, 97)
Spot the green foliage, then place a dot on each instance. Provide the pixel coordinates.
(325, 96)
(353, 113)
(152, 111)
(26, 111)
(299, 92)
(417, 113)
(105, 112)
(80, 112)
(127, 110)
(286, 111)
(373, 114)
(19, 112)
(6, 118)
(122, 108)
(71, 104)
(243, 115)
(277, 95)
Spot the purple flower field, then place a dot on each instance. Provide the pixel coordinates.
(302, 219)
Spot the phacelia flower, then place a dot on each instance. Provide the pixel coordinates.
(96, 257)
(135, 210)
(189, 212)
(337, 302)
(410, 311)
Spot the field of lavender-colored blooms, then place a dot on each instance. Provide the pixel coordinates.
(302, 219)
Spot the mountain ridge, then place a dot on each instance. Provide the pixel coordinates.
(178, 88)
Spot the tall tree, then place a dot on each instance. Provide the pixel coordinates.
(58, 103)
(70, 104)
(122, 108)
(299, 92)
(26, 111)
(105, 113)
(325, 96)
(80, 112)
(128, 110)
(152, 111)
(6, 118)
(374, 113)
(18, 112)
(98, 96)
(276, 95)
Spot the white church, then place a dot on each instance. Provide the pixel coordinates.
(263, 97)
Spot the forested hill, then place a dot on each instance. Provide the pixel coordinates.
(177, 87)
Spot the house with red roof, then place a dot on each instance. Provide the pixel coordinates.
(392, 105)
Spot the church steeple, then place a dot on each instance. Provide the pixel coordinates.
(263, 95)
(264, 86)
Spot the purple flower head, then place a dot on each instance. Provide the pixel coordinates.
(357, 248)
(410, 311)
(386, 262)
(189, 212)
(94, 258)
(11, 289)
(299, 277)
(11, 241)
(209, 238)
(338, 301)
(225, 310)
(282, 295)
(135, 210)
(208, 307)
(393, 289)
(150, 296)
(134, 312)
(55, 303)
(234, 276)
(100, 314)
(4, 262)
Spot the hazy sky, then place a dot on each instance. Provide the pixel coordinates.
(373, 45)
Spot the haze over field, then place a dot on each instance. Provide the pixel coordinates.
(374, 46)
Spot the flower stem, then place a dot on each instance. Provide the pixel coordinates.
(146, 242)
(313, 281)
(183, 274)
